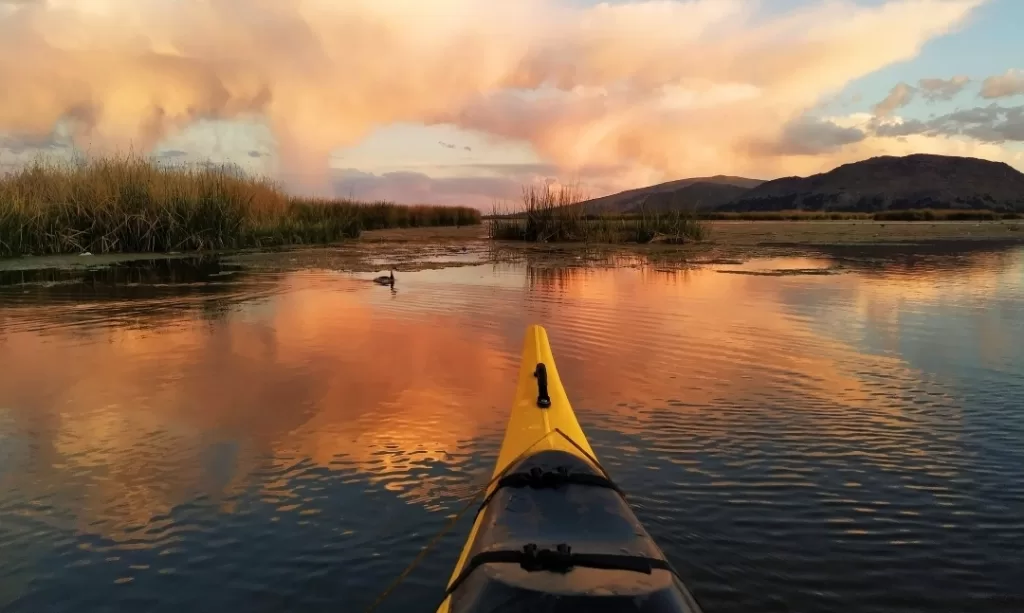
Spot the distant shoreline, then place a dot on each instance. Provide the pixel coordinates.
(414, 248)
(742, 240)
(800, 215)
(754, 232)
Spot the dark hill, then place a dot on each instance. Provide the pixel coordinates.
(918, 181)
(705, 192)
(700, 195)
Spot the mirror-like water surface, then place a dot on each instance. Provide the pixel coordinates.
(212, 437)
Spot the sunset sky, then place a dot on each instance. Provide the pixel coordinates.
(464, 101)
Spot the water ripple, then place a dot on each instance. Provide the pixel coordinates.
(288, 439)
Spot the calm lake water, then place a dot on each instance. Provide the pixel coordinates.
(219, 437)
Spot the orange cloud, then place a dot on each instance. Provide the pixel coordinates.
(669, 88)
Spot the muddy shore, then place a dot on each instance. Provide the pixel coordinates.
(409, 249)
(767, 233)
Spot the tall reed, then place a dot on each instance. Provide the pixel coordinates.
(557, 214)
(131, 204)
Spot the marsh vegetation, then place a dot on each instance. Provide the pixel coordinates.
(132, 204)
(893, 215)
(556, 214)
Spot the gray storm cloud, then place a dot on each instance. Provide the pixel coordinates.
(1011, 83)
(942, 89)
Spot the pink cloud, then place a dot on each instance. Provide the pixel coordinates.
(664, 88)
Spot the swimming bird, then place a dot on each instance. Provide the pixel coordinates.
(386, 280)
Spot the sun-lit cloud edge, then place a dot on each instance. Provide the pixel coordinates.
(655, 90)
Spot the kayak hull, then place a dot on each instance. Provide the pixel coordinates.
(616, 564)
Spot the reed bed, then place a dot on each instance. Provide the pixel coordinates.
(381, 215)
(131, 204)
(944, 215)
(549, 214)
(556, 214)
(784, 216)
(891, 215)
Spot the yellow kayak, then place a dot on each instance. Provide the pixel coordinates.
(554, 533)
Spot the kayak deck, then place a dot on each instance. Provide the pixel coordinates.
(531, 428)
(554, 532)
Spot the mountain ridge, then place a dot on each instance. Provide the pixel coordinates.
(915, 181)
(628, 200)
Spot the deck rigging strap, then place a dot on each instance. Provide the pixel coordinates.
(537, 478)
(558, 560)
(469, 505)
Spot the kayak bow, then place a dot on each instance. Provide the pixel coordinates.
(554, 533)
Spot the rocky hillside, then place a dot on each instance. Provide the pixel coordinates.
(917, 181)
(702, 192)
